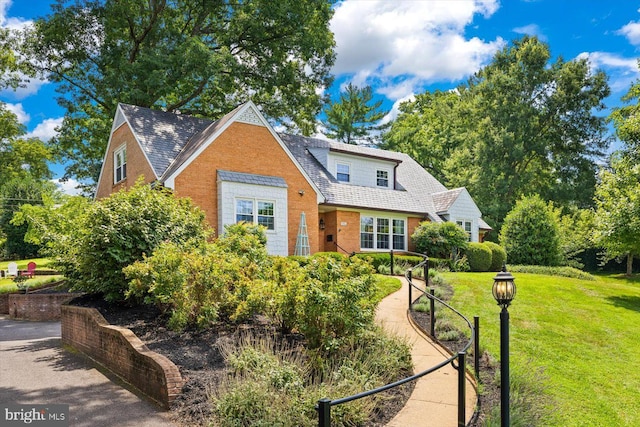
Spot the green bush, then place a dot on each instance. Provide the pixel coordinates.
(479, 256)
(201, 284)
(530, 233)
(439, 239)
(121, 229)
(335, 300)
(498, 256)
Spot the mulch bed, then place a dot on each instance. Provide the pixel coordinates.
(197, 356)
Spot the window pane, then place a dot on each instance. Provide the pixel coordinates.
(366, 240)
(383, 241)
(382, 178)
(398, 242)
(398, 226)
(244, 211)
(265, 208)
(366, 224)
(342, 172)
(266, 215)
(366, 232)
(383, 225)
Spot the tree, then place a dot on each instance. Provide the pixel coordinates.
(21, 157)
(13, 195)
(521, 125)
(202, 58)
(530, 233)
(626, 120)
(354, 118)
(618, 209)
(426, 129)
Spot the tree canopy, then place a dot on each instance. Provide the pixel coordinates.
(199, 57)
(520, 125)
(353, 118)
(618, 209)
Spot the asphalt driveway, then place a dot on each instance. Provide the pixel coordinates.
(36, 370)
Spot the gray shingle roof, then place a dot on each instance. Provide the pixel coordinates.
(248, 178)
(443, 200)
(170, 139)
(415, 184)
(162, 135)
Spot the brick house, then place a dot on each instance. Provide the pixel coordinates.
(354, 198)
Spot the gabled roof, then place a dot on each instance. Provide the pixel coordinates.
(161, 135)
(445, 199)
(170, 141)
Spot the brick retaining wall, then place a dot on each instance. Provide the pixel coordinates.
(40, 307)
(118, 349)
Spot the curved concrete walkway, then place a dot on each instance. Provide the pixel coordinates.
(35, 369)
(434, 401)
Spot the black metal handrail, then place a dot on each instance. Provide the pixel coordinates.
(457, 361)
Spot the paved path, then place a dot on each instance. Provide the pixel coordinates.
(35, 369)
(434, 401)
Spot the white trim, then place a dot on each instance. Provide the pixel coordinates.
(383, 215)
(240, 116)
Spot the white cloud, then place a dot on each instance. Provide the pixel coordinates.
(632, 32)
(622, 71)
(13, 23)
(18, 110)
(68, 186)
(531, 30)
(419, 40)
(395, 110)
(46, 129)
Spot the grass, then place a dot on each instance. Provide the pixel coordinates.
(385, 285)
(582, 333)
(8, 285)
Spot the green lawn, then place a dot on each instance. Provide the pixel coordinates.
(8, 285)
(582, 333)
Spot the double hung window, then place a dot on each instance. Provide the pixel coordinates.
(343, 172)
(256, 212)
(120, 164)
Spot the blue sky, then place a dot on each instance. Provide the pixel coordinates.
(402, 48)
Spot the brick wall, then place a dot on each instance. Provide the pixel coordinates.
(39, 307)
(121, 352)
(250, 149)
(4, 303)
(137, 164)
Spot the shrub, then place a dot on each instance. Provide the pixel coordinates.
(498, 256)
(530, 233)
(121, 229)
(335, 300)
(479, 256)
(439, 239)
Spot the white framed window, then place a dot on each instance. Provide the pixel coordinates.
(256, 212)
(382, 233)
(466, 226)
(382, 178)
(120, 164)
(343, 172)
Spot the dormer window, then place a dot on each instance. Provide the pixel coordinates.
(120, 164)
(382, 178)
(343, 172)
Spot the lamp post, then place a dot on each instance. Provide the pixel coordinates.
(504, 290)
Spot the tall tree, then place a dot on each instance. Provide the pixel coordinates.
(199, 57)
(521, 125)
(626, 120)
(354, 118)
(618, 209)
